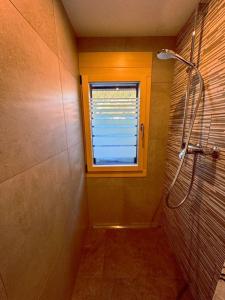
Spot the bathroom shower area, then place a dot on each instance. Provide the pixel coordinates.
(112, 150)
(198, 226)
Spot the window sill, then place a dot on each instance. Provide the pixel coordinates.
(118, 174)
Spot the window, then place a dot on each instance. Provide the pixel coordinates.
(116, 102)
(114, 123)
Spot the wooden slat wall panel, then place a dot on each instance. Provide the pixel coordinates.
(197, 229)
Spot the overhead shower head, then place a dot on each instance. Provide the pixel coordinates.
(166, 54)
(170, 54)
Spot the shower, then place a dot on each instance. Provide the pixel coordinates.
(186, 146)
(169, 54)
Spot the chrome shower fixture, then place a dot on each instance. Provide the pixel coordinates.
(170, 54)
(186, 146)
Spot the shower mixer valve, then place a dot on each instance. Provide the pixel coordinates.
(198, 149)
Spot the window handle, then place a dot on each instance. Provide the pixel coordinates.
(142, 128)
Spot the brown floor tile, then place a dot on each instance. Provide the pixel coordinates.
(128, 264)
(145, 252)
(87, 288)
(145, 289)
(92, 258)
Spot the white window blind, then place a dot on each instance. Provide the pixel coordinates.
(114, 122)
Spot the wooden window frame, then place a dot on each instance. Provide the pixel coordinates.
(98, 71)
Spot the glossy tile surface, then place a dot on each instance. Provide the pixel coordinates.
(128, 264)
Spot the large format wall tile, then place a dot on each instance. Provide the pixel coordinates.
(33, 223)
(66, 38)
(163, 70)
(43, 209)
(61, 280)
(134, 201)
(71, 104)
(31, 126)
(40, 15)
(105, 201)
(76, 160)
(197, 229)
(159, 113)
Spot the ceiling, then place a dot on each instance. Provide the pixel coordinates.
(95, 18)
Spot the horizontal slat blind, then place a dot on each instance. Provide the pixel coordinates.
(114, 123)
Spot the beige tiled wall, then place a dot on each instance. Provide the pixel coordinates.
(134, 201)
(42, 200)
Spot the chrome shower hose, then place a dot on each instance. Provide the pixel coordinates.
(201, 85)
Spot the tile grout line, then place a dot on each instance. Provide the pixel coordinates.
(33, 28)
(60, 79)
(35, 165)
(61, 86)
(56, 154)
(60, 76)
(60, 250)
(56, 261)
(39, 163)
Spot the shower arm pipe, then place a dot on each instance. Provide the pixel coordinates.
(201, 86)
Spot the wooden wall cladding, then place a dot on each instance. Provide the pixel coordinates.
(197, 229)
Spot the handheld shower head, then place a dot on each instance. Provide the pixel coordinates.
(170, 54)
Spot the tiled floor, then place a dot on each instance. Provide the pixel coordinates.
(128, 264)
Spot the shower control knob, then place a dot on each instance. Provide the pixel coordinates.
(215, 152)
